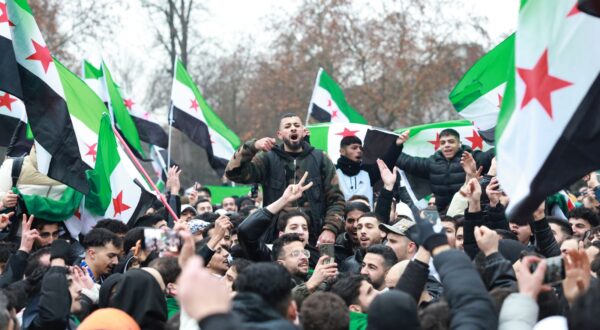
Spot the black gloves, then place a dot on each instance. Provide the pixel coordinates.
(423, 234)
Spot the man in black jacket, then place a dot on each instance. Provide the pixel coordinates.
(443, 169)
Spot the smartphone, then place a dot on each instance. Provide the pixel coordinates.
(327, 250)
(430, 215)
(161, 240)
(555, 270)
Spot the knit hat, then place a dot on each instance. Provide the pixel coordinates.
(108, 319)
(196, 225)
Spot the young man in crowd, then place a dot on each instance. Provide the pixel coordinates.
(204, 206)
(368, 234)
(443, 169)
(358, 294)
(229, 204)
(102, 251)
(376, 264)
(396, 239)
(581, 220)
(48, 232)
(280, 165)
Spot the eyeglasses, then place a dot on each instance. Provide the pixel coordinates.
(46, 234)
(297, 253)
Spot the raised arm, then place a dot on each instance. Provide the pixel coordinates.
(248, 167)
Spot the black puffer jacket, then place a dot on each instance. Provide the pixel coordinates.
(445, 176)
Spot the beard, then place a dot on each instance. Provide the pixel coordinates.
(293, 145)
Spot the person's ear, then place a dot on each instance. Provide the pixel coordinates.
(279, 136)
(383, 234)
(355, 308)
(343, 151)
(92, 253)
(280, 262)
(280, 233)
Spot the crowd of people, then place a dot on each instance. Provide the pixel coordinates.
(325, 246)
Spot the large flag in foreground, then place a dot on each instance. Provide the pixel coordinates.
(548, 132)
(46, 101)
(116, 192)
(9, 72)
(328, 103)
(192, 115)
(478, 95)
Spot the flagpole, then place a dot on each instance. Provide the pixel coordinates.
(146, 176)
(312, 96)
(170, 118)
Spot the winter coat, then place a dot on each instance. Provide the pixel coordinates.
(445, 176)
(277, 169)
(256, 314)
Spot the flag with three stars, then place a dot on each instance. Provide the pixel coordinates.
(116, 189)
(549, 126)
(50, 101)
(477, 97)
(328, 103)
(193, 116)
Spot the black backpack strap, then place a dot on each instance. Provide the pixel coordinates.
(16, 169)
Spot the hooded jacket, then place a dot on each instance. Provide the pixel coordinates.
(256, 314)
(445, 176)
(393, 310)
(140, 296)
(276, 169)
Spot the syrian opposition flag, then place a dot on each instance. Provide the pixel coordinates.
(328, 103)
(47, 101)
(12, 111)
(149, 129)
(192, 115)
(478, 95)
(115, 189)
(120, 114)
(94, 78)
(548, 130)
(327, 137)
(9, 73)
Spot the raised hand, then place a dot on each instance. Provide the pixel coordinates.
(293, 192)
(531, 284)
(388, 177)
(265, 144)
(5, 219)
(173, 183)
(493, 192)
(468, 164)
(82, 276)
(28, 235)
(403, 138)
(578, 276)
(9, 200)
(322, 273)
(487, 240)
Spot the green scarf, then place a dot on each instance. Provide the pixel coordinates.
(358, 321)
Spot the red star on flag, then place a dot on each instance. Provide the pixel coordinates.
(41, 54)
(574, 11)
(77, 214)
(334, 114)
(194, 105)
(499, 101)
(118, 204)
(540, 84)
(92, 150)
(329, 103)
(7, 101)
(476, 141)
(436, 143)
(3, 13)
(346, 132)
(128, 103)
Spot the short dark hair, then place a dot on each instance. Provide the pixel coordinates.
(324, 311)
(6, 249)
(131, 238)
(39, 223)
(586, 214)
(269, 280)
(287, 115)
(282, 241)
(386, 252)
(116, 226)
(148, 220)
(372, 215)
(349, 140)
(286, 216)
(347, 287)
(565, 228)
(239, 264)
(435, 316)
(100, 237)
(33, 261)
(447, 218)
(352, 206)
(168, 267)
(450, 132)
(206, 190)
